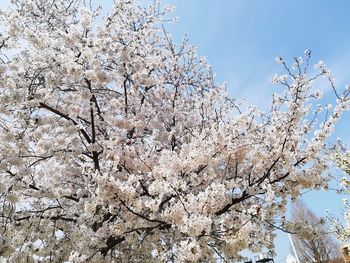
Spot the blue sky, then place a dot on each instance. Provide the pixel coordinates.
(241, 38)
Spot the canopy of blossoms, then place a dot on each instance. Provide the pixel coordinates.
(117, 145)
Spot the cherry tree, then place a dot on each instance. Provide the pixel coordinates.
(117, 145)
(341, 156)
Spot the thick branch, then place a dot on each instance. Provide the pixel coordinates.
(142, 216)
(232, 203)
(111, 243)
(65, 116)
(93, 138)
(125, 95)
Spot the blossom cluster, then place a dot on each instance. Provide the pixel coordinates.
(117, 144)
(342, 159)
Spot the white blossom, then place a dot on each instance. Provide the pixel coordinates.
(117, 144)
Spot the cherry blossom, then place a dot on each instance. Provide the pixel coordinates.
(117, 144)
(341, 156)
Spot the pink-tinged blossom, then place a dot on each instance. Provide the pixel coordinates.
(342, 159)
(117, 144)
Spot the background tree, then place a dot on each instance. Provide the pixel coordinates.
(116, 144)
(313, 243)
